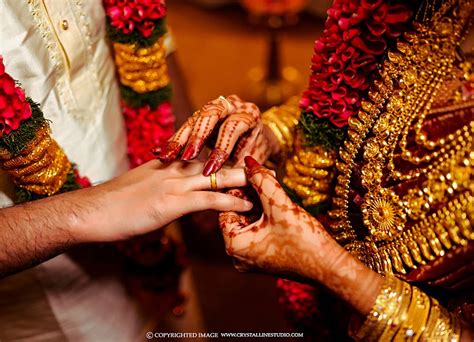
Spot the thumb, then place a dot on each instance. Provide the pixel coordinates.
(266, 185)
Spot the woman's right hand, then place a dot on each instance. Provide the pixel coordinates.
(286, 240)
(241, 131)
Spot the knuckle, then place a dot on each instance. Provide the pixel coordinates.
(224, 174)
(211, 199)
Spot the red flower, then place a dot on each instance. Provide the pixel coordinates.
(299, 300)
(356, 34)
(128, 15)
(84, 182)
(13, 105)
(147, 129)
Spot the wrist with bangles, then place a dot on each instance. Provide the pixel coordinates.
(404, 313)
(282, 121)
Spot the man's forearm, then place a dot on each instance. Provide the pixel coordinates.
(34, 232)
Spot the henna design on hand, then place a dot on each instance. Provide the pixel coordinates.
(240, 128)
(287, 240)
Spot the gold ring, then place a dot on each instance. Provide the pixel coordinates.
(213, 178)
(227, 103)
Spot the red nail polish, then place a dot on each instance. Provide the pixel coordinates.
(216, 159)
(210, 167)
(170, 151)
(189, 153)
(250, 162)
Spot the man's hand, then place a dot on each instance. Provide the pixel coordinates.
(240, 131)
(153, 195)
(135, 203)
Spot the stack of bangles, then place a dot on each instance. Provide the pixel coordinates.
(282, 120)
(404, 313)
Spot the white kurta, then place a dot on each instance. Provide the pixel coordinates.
(57, 49)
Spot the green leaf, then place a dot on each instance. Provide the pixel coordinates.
(318, 131)
(152, 98)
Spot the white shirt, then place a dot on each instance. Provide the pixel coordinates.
(71, 74)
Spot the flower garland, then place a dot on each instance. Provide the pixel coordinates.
(136, 28)
(28, 153)
(355, 37)
(39, 167)
(137, 31)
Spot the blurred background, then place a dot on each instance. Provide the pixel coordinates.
(261, 53)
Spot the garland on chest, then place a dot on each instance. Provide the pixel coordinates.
(40, 168)
(137, 32)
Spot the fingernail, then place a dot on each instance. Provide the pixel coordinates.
(169, 151)
(250, 162)
(248, 205)
(190, 152)
(216, 159)
(210, 167)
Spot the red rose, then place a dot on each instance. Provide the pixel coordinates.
(128, 15)
(147, 129)
(84, 182)
(356, 34)
(13, 105)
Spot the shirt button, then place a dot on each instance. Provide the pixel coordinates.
(64, 24)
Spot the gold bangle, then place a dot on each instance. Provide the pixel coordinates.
(282, 121)
(412, 316)
(394, 324)
(382, 311)
(278, 135)
(432, 320)
(416, 317)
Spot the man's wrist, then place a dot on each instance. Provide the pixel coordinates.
(86, 215)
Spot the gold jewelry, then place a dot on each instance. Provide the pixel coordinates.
(142, 69)
(308, 173)
(416, 317)
(386, 306)
(402, 312)
(42, 167)
(227, 103)
(420, 69)
(282, 120)
(213, 178)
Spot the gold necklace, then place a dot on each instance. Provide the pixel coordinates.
(409, 81)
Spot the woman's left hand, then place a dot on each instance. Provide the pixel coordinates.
(241, 132)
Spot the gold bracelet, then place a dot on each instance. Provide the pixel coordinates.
(382, 311)
(416, 317)
(404, 313)
(282, 121)
(442, 325)
(394, 324)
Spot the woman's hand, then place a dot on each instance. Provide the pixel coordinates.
(240, 128)
(288, 241)
(152, 195)
(276, 240)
